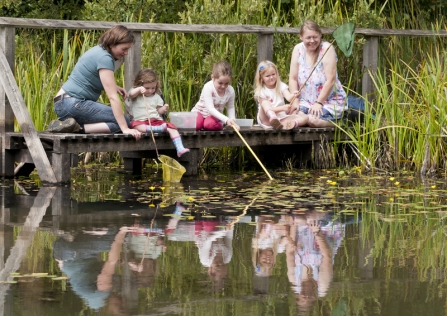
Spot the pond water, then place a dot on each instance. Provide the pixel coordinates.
(309, 243)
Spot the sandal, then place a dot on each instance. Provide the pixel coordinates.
(276, 124)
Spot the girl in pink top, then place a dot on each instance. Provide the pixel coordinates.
(216, 95)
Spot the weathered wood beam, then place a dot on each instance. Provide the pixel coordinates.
(23, 117)
(7, 44)
(132, 62)
(265, 47)
(198, 28)
(370, 62)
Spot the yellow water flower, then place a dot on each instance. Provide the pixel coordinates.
(433, 186)
(333, 183)
(152, 188)
(152, 205)
(397, 183)
(391, 178)
(162, 188)
(190, 199)
(190, 218)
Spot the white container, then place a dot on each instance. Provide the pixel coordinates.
(184, 120)
(244, 123)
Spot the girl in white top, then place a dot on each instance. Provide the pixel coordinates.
(216, 95)
(270, 92)
(148, 105)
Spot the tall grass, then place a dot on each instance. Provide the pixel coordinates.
(406, 114)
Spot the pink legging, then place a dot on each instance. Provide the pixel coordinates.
(208, 124)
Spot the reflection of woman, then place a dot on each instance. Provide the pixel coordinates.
(309, 260)
(78, 259)
(322, 97)
(76, 102)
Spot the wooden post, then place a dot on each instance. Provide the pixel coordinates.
(61, 165)
(191, 161)
(22, 115)
(7, 45)
(370, 57)
(132, 62)
(265, 47)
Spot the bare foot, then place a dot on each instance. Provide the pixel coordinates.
(289, 125)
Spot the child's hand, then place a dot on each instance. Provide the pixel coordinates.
(163, 109)
(142, 90)
(231, 122)
(292, 109)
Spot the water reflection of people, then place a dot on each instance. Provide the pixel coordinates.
(78, 257)
(309, 254)
(214, 240)
(139, 267)
(268, 242)
(135, 249)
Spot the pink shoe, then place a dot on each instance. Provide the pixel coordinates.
(180, 153)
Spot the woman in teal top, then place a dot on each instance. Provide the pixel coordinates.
(76, 102)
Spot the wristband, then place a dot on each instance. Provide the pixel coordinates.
(319, 103)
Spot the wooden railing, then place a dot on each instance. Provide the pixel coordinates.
(265, 36)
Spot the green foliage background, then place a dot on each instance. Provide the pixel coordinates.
(411, 79)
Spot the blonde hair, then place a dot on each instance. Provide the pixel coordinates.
(262, 269)
(258, 84)
(147, 75)
(311, 26)
(222, 68)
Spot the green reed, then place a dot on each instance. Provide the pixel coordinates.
(410, 83)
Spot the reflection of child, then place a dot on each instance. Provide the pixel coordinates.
(215, 250)
(216, 95)
(148, 105)
(269, 241)
(270, 92)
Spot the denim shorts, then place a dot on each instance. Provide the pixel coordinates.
(326, 116)
(87, 112)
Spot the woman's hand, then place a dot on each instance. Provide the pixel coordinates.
(316, 110)
(314, 226)
(136, 134)
(122, 92)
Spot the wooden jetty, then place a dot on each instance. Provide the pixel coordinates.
(53, 154)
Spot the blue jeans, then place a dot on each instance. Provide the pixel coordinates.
(326, 116)
(87, 112)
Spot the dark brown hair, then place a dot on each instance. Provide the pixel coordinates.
(116, 35)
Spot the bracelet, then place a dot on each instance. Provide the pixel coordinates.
(319, 103)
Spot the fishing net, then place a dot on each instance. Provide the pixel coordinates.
(172, 169)
(344, 36)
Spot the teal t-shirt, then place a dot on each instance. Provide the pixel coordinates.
(84, 81)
